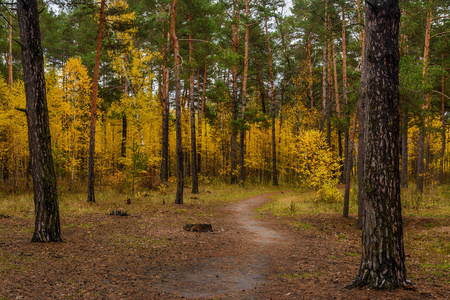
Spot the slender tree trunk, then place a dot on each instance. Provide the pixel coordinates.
(234, 105)
(426, 106)
(310, 74)
(10, 80)
(349, 165)
(91, 174)
(47, 226)
(404, 173)
(348, 149)
(361, 121)
(441, 163)
(262, 89)
(194, 171)
(324, 81)
(244, 98)
(176, 55)
(272, 98)
(164, 168)
(420, 170)
(200, 122)
(383, 258)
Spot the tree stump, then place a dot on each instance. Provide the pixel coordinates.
(198, 227)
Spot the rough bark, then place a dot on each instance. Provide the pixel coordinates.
(194, 171)
(176, 55)
(47, 225)
(91, 173)
(383, 258)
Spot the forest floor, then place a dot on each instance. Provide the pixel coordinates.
(251, 254)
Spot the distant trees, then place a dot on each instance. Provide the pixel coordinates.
(252, 83)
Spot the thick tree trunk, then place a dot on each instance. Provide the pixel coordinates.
(244, 98)
(47, 226)
(194, 171)
(383, 258)
(91, 174)
(176, 55)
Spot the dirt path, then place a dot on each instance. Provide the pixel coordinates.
(238, 273)
(148, 255)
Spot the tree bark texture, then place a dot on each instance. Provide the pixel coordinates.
(47, 225)
(176, 55)
(383, 258)
(91, 173)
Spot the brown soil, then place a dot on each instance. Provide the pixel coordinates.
(149, 256)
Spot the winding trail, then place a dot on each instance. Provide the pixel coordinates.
(243, 266)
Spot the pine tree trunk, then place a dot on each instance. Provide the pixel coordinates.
(420, 170)
(10, 80)
(91, 174)
(310, 74)
(383, 258)
(176, 55)
(194, 171)
(272, 98)
(164, 167)
(441, 163)
(47, 225)
(234, 104)
(262, 89)
(350, 142)
(348, 146)
(200, 122)
(404, 172)
(244, 98)
(123, 142)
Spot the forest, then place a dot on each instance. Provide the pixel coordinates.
(197, 111)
